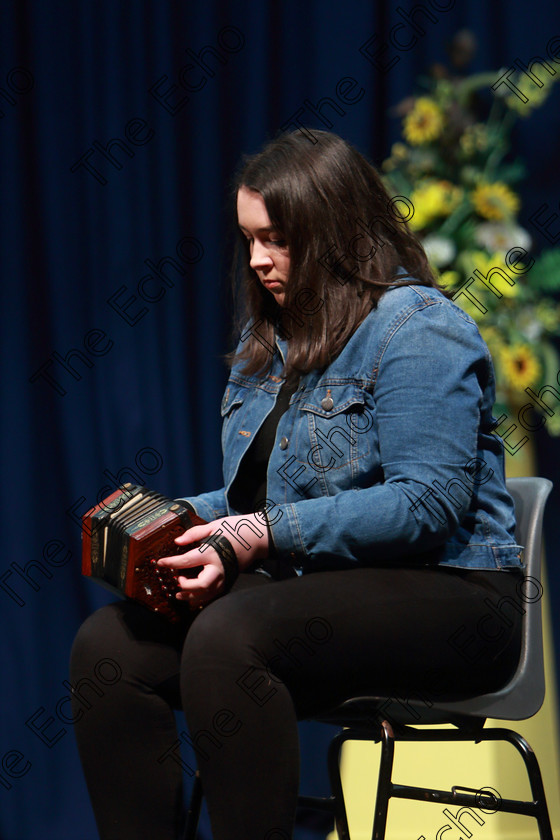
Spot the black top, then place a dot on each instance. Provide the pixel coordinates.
(248, 491)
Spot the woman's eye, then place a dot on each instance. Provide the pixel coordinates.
(273, 242)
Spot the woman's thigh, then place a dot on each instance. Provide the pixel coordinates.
(145, 647)
(325, 635)
(329, 635)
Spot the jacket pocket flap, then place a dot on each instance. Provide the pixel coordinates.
(328, 401)
(234, 396)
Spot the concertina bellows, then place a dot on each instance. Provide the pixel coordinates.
(125, 534)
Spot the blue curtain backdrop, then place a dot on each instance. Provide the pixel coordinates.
(121, 124)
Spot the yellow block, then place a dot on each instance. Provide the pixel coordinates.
(498, 766)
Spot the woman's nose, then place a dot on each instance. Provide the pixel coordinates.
(260, 256)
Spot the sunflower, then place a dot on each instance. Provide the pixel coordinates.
(424, 123)
(520, 366)
(432, 199)
(495, 201)
(486, 264)
(529, 95)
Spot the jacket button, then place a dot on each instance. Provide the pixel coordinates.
(284, 443)
(327, 403)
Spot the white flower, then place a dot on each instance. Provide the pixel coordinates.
(530, 325)
(501, 237)
(439, 249)
(533, 330)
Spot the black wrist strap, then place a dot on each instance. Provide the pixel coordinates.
(186, 505)
(227, 555)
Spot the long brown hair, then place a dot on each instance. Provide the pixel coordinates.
(348, 242)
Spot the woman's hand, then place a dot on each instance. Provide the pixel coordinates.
(248, 536)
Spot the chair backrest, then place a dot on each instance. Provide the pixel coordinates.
(523, 695)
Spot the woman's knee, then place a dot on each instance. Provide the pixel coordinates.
(94, 642)
(224, 631)
(125, 646)
(125, 632)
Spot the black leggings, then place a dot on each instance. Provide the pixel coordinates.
(252, 663)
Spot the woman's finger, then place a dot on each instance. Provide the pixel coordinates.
(206, 579)
(198, 532)
(202, 589)
(184, 561)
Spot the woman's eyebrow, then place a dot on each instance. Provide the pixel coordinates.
(268, 229)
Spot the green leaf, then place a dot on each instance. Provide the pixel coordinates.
(397, 184)
(511, 172)
(551, 363)
(474, 82)
(456, 218)
(545, 273)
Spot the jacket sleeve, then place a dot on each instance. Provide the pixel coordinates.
(209, 506)
(428, 398)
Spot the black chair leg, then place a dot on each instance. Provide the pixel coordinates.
(384, 784)
(535, 780)
(385, 788)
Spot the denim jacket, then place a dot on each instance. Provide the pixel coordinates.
(387, 455)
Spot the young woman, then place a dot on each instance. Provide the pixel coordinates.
(362, 523)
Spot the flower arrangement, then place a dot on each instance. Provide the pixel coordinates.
(453, 166)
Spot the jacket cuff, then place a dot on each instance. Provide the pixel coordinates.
(205, 506)
(285, 536)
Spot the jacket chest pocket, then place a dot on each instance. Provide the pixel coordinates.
(334, 429)
(233, 408)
